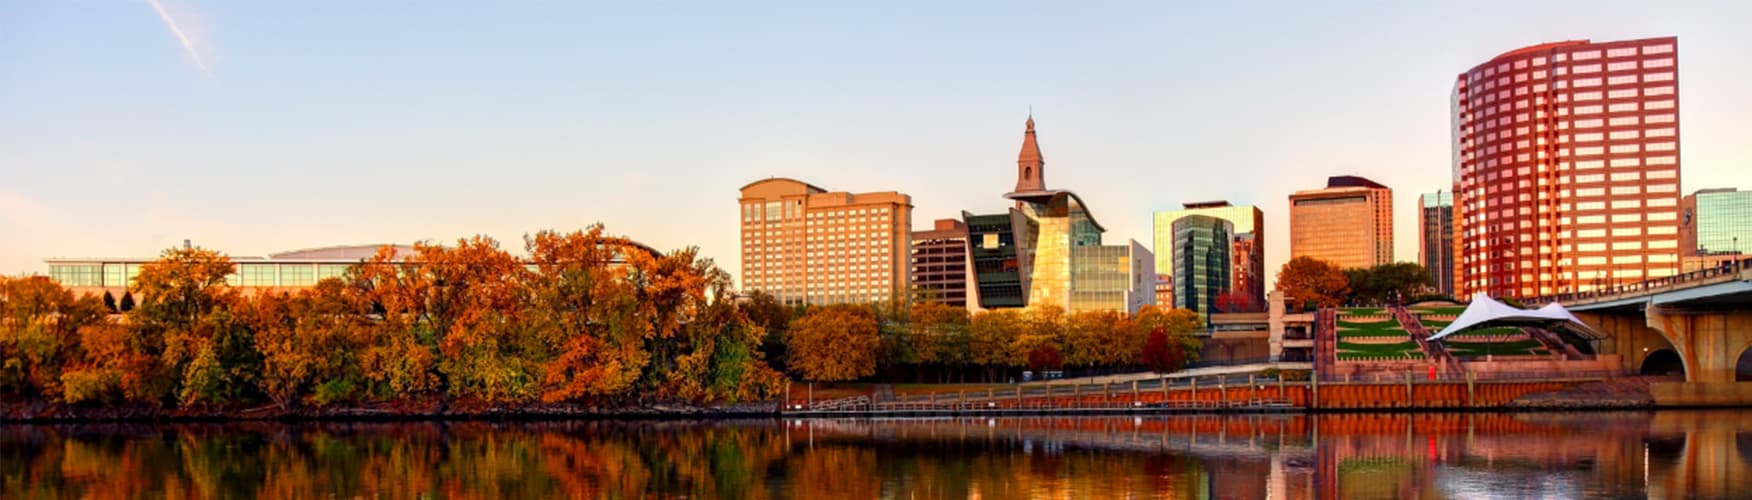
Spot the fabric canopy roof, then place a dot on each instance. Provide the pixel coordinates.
(1487, 310)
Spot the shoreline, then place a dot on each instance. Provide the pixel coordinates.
(769, 411)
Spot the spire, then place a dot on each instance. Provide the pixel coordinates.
(1030, 165)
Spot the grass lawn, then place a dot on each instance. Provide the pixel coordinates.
(1353, 351)
(1377, 329)
(1434, 324)
(1439, 310)
(1362, 311)
(1516, 348)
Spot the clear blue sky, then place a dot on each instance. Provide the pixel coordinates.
(286, 125)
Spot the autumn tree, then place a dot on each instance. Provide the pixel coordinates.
(708, 348)
(401, 359)
(1307, 279)
(765, 311)
(39, 323)
(1161, 354)
(1098, 338)
(833, 343)
(585, 308)
(992, 340)
(1180, 326)
(204, 353)
(1235, 301)
(476, 306)
(938, 334)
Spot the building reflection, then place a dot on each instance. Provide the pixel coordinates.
(1665, 454)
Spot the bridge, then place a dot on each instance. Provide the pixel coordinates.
(1697, 323)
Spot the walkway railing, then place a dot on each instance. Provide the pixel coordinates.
(1725, 269)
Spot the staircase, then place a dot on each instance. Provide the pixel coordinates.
(1553, 343)
(1433, 350)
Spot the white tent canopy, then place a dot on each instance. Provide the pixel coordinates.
(1487, 310)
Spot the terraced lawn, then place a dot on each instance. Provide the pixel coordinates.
(1361, 311)
(1351, 351)
(1515, 348)
(1438, 310)
(1387, 328)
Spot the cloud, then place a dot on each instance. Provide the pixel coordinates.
(181, 37)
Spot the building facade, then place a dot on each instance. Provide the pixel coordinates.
(277, 272)
(1348, 223)
(1048, 251)
(1164, 289)
(805, 245)
(1435, 239)
(1713, 226)
(1201, 262)
(1566, 167)
(940, 264)
(1247, 253)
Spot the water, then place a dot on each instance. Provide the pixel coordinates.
(1659, 455)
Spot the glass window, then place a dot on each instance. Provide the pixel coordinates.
(258, 275)
(297, 274)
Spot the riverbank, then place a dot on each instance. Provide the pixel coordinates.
(427, 409)
(1626, 393)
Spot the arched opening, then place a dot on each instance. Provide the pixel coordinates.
(1743, 367)
(1663, 362)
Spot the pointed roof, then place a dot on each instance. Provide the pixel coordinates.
(1485, 311)
(1030, 148)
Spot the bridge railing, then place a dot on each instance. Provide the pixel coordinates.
(1726, 268)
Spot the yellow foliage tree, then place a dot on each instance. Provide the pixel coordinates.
(833, 343)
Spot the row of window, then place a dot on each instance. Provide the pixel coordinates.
(247, 274)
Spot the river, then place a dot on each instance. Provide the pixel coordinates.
(1665, 454)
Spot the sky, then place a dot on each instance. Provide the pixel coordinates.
(257, 127)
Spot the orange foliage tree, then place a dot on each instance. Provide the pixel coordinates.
(1307, 279)
(833, 343)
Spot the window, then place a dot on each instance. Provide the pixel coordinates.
(258, 275)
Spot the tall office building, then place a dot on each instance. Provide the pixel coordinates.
(939, 263)
(1715, 225)
(1047, 250)
(1201, 261)
(1349, 223)
(1435, 239)
(1247, 255)
(803, 244)
(1566, 167)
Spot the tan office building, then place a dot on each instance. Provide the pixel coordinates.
(803, 244)
(1348, 223)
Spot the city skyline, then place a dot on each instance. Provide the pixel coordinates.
(237, 148)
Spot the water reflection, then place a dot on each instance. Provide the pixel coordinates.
(1665, 454)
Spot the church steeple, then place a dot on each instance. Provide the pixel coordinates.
(1030, 166)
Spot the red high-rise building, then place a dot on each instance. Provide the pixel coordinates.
(1566, 168)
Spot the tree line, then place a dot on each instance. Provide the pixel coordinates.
(584, 318)
(1308, 281)
(933, 342)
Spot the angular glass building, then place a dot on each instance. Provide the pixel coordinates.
(1047, 250)
(1201, 262)
(1247, 256)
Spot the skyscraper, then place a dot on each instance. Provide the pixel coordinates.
(803, 244)
(1566, 167)
(1047, 250)
(939, 263)
(1349, 223)
(1201, 261)
(1715, 225)
(1435, 242)
(1247, 254)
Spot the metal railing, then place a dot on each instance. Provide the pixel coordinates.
(1726, 268)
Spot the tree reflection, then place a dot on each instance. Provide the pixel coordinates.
(1328, 456)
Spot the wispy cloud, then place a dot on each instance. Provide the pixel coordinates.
(181, 37)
